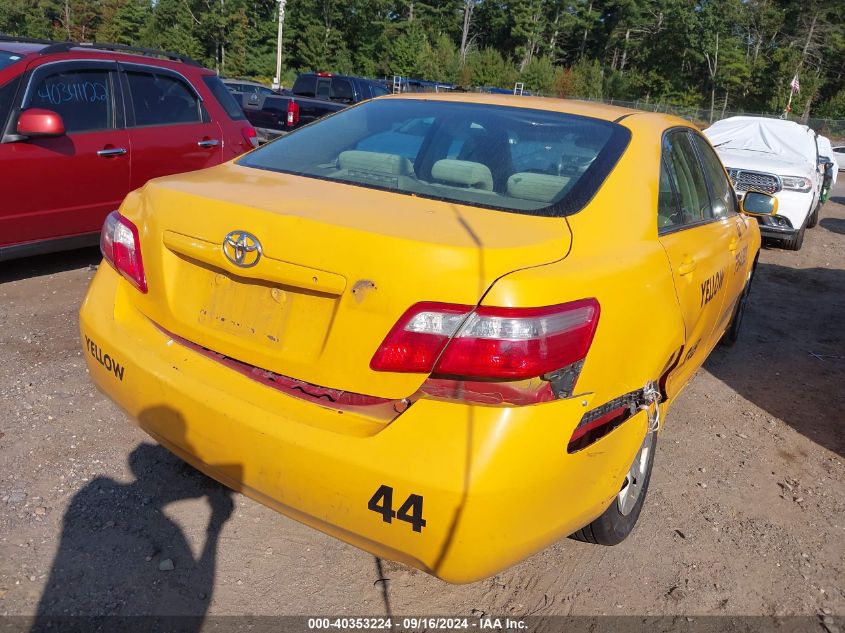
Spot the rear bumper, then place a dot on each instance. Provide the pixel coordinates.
(497, 483)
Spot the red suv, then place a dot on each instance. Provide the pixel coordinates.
(84, 124)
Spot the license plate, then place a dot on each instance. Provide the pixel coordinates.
(250, 310)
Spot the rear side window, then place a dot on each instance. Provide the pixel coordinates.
(668, 212)
(496, 157)
(342, 91)
(324, 87)
(83, 98)
(305, 86)
(688, 178)
(159, 99)
(7, 96)
(723, 201)
(224, 97)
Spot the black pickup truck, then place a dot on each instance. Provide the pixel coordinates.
(314, 95)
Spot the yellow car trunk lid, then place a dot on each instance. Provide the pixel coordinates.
(338, 266)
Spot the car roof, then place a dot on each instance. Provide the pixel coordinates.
(322, 75)
(568, 106)
(233, 80)
(22, 48)
(71, 51)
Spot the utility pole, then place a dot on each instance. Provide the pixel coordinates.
(278, 78)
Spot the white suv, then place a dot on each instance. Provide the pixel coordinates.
(777, 157)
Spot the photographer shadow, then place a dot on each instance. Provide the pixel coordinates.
(120, 554)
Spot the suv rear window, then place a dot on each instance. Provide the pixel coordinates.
(514, 159)
(224, 97)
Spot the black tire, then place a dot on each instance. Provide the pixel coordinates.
(814, 217)
(795, 242)
(731, 334)
(613, 527)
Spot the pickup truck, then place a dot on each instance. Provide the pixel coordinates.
(314, 95)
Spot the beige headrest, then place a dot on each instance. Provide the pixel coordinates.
(539, 187)
(463, 173)
(375, 162)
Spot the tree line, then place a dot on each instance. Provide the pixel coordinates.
(716, 54)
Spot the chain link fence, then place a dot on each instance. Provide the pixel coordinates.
(832, 128)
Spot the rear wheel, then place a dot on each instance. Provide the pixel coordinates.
(731, 334)
(617, 522)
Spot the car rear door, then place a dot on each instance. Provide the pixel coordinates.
(170, 130)
(65, 185)
(697, 245)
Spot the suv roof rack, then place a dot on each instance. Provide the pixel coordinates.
(51, 47)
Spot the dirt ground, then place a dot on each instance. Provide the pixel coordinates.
(745, 515)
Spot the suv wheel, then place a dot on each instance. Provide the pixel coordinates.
(795, 242)
(814, 217)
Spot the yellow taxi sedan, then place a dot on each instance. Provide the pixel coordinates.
(443, 328)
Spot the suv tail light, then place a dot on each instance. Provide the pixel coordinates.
(250, 135)
(121, 247)
(488, 343)
(293, 113)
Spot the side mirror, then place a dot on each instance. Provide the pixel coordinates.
(757, 203)
(38, 123)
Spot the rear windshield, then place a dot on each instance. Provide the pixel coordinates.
(514, 159)
(305, 86)
(7, 59)
(224, 97)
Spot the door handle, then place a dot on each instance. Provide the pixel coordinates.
(733, 244)
(686, 266)
(208, 142)
(110, 152)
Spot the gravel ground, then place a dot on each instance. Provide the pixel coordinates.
(744, 515)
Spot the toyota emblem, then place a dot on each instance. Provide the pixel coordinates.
(242, 249)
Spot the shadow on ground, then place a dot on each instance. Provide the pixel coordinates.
(834, 225)
(790, 359)
(39, 265)
(119, 553)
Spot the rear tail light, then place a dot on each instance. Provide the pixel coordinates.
(293, 113)
(418, 338)
(516, 343)
(121, 247)
(250, 136)
(488, 343)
